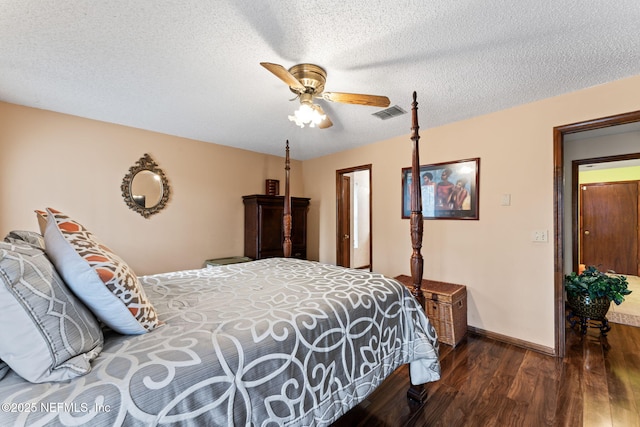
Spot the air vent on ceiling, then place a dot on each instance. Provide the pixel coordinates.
(390, 112)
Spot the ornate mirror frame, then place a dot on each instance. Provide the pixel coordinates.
(145, 164)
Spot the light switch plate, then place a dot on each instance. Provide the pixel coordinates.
(539, 236)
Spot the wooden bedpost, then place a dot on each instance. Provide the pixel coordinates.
(416, 393)
(416, 221)
(286, 217)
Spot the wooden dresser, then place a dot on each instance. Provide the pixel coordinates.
(263, 231)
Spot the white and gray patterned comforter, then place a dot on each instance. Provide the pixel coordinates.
(265, 343)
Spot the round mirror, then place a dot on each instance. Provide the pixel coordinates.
(145, 188)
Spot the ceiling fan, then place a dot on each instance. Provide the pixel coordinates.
(307, 82)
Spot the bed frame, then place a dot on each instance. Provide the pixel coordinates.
(193, 378)
(416, 393)
(286, 218)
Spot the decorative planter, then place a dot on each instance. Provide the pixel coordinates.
(588, 311)
(584, 306)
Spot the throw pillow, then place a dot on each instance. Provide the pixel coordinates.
(4, 369)
(22, 236)
(46, 334)
(42, 220)
(101, 279)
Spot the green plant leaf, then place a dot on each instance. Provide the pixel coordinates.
(597, 284)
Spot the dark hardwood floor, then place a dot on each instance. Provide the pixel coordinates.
(489, 383)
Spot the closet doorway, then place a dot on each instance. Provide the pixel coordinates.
(353, 217)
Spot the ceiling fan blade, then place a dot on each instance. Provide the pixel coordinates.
(284, 75)
(357, 98)
(326, 123)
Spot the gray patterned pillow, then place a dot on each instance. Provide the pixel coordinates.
(4, 369)
(46, 333)
(23, 236)
(20, 237)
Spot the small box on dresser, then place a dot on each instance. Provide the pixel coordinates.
(446, 307)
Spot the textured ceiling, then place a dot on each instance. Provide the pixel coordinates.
(191, 68)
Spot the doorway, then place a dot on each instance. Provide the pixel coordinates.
(563, 208)
(353, 217)
(608, 226)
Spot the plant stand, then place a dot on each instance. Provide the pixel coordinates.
(589, 312)
(587, 322)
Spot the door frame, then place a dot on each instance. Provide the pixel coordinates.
(559, 133)
(339, 231)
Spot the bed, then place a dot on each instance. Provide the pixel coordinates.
(272, 342)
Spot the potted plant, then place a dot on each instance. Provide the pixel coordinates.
(589, 294)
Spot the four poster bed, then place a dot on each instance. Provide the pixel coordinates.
(278, 341)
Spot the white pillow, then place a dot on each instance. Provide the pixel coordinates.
(46, 334)
(101, 279)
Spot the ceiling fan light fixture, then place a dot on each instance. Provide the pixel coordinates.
(307, 114)
(307, 82)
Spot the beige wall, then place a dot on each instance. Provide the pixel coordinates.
(509, 277)
(631, 173)
(77, 165)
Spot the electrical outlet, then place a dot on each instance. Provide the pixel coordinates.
(539, 236)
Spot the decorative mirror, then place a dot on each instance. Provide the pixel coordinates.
(145, 189)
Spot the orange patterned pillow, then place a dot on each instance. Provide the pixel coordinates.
(101, 279)
(42, 220)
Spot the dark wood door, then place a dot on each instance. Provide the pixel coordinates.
(609, 226)
(344, 226)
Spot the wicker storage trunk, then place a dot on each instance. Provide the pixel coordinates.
(446, 308)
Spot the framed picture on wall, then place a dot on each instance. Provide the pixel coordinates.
(449, 190)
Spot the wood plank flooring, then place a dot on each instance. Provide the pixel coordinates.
(489, 383)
